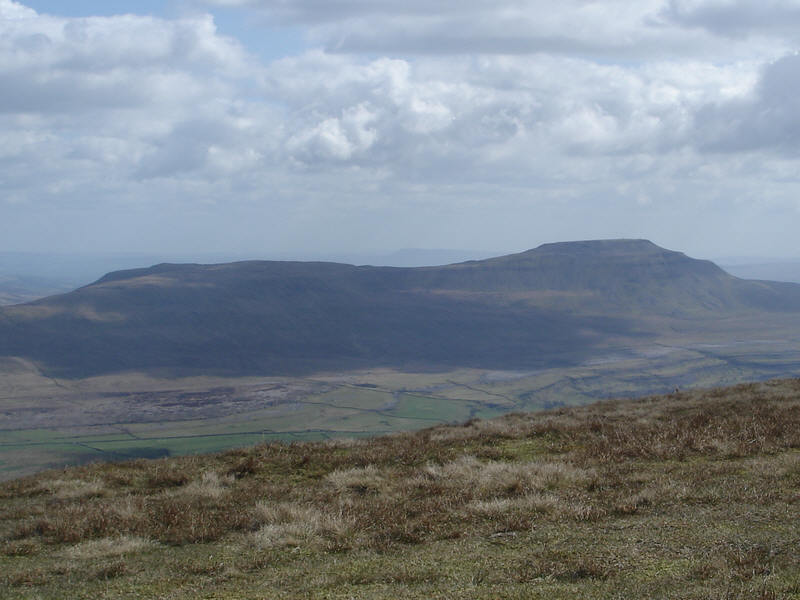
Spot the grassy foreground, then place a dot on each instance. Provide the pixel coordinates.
(693, 495)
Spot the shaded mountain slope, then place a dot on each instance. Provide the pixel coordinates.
(557, 303)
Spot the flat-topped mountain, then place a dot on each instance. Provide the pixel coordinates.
(589, 277)
(556, 303)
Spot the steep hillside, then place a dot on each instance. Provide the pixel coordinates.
(557, 304)
(693, 495)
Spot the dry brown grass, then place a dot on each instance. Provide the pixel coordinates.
(74, 489)
(492, 478)
(209, 485)
(361, 480)
(286, 524)
(108, 547)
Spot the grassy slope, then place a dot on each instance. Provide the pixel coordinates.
(695, 495)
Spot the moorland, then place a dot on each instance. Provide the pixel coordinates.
(690, 495)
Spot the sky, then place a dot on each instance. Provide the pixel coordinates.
(317, 127)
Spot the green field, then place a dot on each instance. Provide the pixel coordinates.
(50, 423)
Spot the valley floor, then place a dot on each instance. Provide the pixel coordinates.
(47, 422)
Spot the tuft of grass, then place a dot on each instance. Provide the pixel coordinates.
(359, 480)
(492, 478)
(108, 547)
(73, 489)
(289, 525)
(209, 485)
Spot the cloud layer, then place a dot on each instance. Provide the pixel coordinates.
(597, 28)
(404, 124)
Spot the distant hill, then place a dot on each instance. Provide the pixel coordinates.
(15, 289)
(556, 304)
(417, 257)
(773, 271)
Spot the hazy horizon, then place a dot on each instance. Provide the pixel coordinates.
(48, 271)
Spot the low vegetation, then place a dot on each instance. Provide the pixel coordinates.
(692, 495)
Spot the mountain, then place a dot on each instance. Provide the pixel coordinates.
(556, 304)
(609, 276)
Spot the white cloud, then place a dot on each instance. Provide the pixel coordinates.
(54, 64)
(496, 112)
(101, 101)
(765, 120)
(335, 138)
(612, 29)
(737, 18)
(13, 10)
(551, 115)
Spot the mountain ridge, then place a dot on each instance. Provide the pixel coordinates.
(555, 304)
(617, 268)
